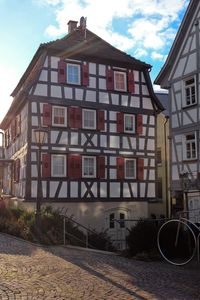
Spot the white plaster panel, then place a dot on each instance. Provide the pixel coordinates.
(145, 90)
(34, 188)
(91, 96)
(54, 76)
(135, 102)
(46, 62)
(125, 143)
(94, 189)
(53, 188)
(102, 70)
(146, 162)
(178, 138)
(144, 119)
(126, 191)
(41, 90)
(74, 138)
(83, 189)
(54, 62)
(152, 175)
(92, 68)
(44, 189)
(151, 190)
(151, 132)
(142, 77)
(113, 174)
(94, 140)
(83, 139)
(114, 141)
(79, 94)
(133, 142)
(191, 64)
(137, 89)
(141, 143)
(64, 138)
(151, 144)
(152, 120)
(175, 173)
(63, 190)
(177, 86)
(142, 189)
(92, 82)
(147, 104)
(102, 84)
(152, 162)
(112, 116)
(193, 46)
(34, 107)
(103, 141)
(103, 98)
(34, 121)
(179, 67)
(56, 91)
(113, 161)
(174, 121)
(68, 92)
(179, 149)
(187, 46)
(34, 171)
(103, 189)
(54, 135)
(124, 100)
(74, 189)
(115, 99)
(33, 156)
(43, 75)
(114, 189)
(113, 128)
(193, 115)
(136, 75)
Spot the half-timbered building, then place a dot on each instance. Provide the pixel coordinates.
(99, 108)
(180, 75)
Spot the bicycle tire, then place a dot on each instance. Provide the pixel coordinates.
(183, 251)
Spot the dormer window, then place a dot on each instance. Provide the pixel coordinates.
(190, 97)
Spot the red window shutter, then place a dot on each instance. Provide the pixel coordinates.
(120, 167)
(71, 117)
(101, 167)
(139, 124)
(74, 166)
(100, 120)
(62, 71)
(85, 74)
(16, 170)
(75, 117)
(78, 117)
(120, 122)
(109, 79)
(46, 165)
(131, 83)
(140, 169)
(47, 114)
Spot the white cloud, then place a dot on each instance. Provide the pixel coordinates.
(158, 56)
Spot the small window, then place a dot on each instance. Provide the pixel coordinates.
(130, 168)
(159, 156)
(190, 91)
(190, 146)
(73, 74)
(129, 123)
(120, 81)
(89, 166)
(58, 165)
(111, 220)
(122, 218)
(59, 116)
(89, 119)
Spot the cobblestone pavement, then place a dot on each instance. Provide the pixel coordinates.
(31, 272)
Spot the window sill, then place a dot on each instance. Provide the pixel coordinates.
(188, 106)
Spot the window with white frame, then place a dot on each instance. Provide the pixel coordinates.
(120, 81)
(190, 91)
(129, 123)
(130, 168)
(89, 119)
(89, 166)
(190, 146)
(73, 74)
(58, 165)
(59, 116)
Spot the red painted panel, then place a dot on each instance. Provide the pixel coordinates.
(140, 169)
(78, 117)
(85, 74)
(74, 166)
(100, 120)
(109, 79)
(139, 124)
(120, 167)
(62, 71)
(101, 167)
(131, 83)
(120, 122)
(47, 115)
(46, 165)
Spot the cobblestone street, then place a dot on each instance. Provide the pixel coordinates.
(31, 272)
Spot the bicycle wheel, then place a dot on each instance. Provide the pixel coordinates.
(176, 242)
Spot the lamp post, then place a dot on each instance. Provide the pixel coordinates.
(40, 137)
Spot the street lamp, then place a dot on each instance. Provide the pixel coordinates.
(40, 137)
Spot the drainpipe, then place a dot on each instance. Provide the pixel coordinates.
(166, 168)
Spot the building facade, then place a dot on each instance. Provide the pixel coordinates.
(99, 109)
(180, 75)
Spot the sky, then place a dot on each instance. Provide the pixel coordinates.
(145, 29)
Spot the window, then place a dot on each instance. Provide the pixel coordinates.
(129, 123)
(89, 119)
(159, 156)
(120, 81)
(122, 218)
(58, 165)
(73, 74)
(59, 116)
(190, 146)
(89, 166)
(130, 168)
(190, 91)
(111, 220)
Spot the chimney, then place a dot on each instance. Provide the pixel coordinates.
(72, 25)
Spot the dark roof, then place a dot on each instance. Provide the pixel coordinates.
(177, 43)
(164, 99)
